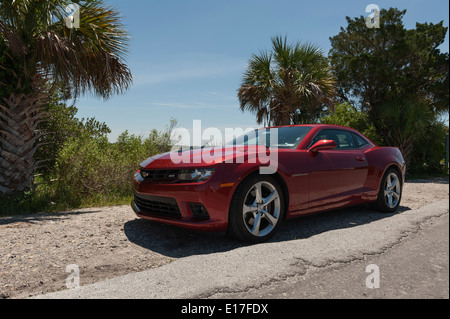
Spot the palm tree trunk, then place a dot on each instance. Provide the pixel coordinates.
(285, 119)
(284, 116)
(19, 117)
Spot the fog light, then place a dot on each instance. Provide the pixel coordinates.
(199, 211)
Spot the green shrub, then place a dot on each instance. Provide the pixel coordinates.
(91, 169)
(429, 150)
(59, 125)
(346, 115)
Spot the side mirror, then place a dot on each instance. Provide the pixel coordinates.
(323, 145)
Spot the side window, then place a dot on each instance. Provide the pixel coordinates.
(346, 141)
(360, 142)
(320, 136)
(343, 139)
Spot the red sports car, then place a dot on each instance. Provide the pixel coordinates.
(249, 186)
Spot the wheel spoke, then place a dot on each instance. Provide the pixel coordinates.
(256, 225)
(271, 219)
(387, 189)
(394, 182)
(389, 182)
(258, 193)
(270, 198)
(396, 195)
(249, 209)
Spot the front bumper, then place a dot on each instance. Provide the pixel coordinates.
(175, 204)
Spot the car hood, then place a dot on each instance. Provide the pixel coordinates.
(206, 156)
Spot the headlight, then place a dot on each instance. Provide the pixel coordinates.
(195, 175)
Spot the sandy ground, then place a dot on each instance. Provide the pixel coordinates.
(107, 242)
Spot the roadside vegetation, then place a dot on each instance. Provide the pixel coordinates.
(389, 83)
(81, 167)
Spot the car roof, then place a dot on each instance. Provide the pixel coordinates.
(316, 125)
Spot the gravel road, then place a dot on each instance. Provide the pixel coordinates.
(109, 242)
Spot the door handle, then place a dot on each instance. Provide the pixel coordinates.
(360, 159)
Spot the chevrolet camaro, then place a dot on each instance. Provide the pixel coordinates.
(250, 185)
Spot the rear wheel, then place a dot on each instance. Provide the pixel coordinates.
(390, 194)
(256, 210)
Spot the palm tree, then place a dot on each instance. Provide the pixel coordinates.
(41, 46)
(291, 82)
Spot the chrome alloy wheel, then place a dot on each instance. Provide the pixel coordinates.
(261, 209)
(392, 190)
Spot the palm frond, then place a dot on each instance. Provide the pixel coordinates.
(90, 58)
(293, 78)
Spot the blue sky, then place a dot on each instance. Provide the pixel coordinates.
(187, 57)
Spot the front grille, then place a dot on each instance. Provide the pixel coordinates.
(160, 176)
(166, 206)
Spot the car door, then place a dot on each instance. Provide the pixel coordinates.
(339, 174)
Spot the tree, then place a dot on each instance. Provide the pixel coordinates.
(291, 81)
(41, 47)
(398, 77)
(418, 133)
(390, 63)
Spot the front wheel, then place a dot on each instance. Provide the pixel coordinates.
(390, 194)
(256, 210)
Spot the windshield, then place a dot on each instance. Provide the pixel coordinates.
(288, 137)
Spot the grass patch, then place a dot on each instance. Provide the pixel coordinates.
(45, 199)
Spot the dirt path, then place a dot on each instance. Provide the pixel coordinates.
(108, 242)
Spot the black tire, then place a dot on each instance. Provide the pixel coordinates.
(389, 195)
(261, 224)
